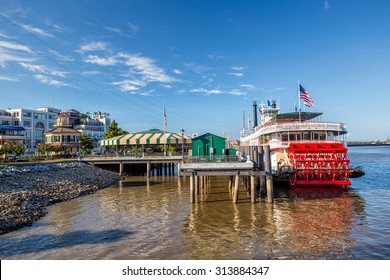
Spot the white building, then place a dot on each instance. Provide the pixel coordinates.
(36, 123)
(95, 127)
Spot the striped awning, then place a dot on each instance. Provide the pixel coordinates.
(150, 137)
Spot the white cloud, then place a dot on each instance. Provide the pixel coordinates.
(4, 35)
(208, 92)
(248, 86)
(116, 30)
(90, 73)
(134, 28)
(49, 81)
(93, 46)
(236, 74)
(177, 71)
(113, 29)
(102, 61)
(216, 57)
(61, 56)
(235, 68)
(197, 68)
(218, 91)
(15, 47)
(326, 5)
(127, 85)
(8, 79)
(236, 92)
(145, 68)
(147, 93)
(42, 69)
(35, 30)
(6, 56)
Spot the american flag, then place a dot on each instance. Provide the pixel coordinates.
(305, 96)
(165, 117)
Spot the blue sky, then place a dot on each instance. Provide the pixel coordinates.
(206, 60)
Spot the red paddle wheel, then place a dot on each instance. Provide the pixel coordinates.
(319, 165)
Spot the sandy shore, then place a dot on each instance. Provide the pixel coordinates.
(26, 191)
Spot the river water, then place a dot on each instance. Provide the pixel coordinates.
(153, 219)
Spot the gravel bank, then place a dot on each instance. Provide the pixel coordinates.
(26, 191)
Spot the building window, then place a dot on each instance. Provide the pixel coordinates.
(27, 123)
(39, 130)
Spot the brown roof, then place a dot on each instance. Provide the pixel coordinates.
(63, 130)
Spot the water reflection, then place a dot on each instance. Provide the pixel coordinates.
(303, 226)
(142, 218)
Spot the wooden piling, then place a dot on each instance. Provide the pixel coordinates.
(121, 168)
(148, 169)
(236, 188)
(269, 183)
(192, 190)
(197, 184)
(253, 192)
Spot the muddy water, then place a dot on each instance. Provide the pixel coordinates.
(153, 219)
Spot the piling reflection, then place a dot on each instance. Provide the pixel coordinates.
(308, 226)
(164, 225)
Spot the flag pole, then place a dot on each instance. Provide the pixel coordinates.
(299, 101)
(165, 125)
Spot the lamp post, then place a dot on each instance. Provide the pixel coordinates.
(182, 143)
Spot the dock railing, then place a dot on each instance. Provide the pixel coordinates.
(195, 159)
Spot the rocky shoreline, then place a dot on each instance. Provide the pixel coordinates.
(26, 191)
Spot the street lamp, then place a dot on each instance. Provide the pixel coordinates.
(182, 143)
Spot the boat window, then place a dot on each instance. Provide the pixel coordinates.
(284, 137)
(322, 136)
(292, 137)
(306, 136)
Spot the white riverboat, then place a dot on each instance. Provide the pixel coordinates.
(306, 151)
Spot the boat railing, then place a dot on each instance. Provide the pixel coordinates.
(286, 144)
(302, 126)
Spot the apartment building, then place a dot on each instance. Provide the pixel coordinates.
(10, 130)
(36, 123)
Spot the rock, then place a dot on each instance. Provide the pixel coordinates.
(26, 191)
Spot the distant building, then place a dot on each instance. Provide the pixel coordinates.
(95, 127)
(12, 135)
(65, 137)
(35, 122)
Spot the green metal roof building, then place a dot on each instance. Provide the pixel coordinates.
(208, 145)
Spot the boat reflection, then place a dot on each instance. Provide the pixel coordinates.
(297, 226)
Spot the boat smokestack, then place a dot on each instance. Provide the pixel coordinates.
(254, 113)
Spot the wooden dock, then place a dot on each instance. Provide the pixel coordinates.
(167, 162)
(249, 171)
(255, 175)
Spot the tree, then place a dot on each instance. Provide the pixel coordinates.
(86, 143)
(113, 130)
(19, 150)
(5, 150)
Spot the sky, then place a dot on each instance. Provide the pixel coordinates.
(206, 61)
